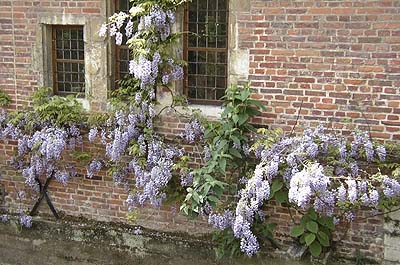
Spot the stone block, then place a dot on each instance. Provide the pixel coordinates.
(239, 62)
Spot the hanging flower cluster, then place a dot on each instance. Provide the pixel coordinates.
(136, 151)
(326, 189)
(151, 30)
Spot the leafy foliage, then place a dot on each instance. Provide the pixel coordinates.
(224, 140)
(5, 99)
(243, 168)
(314, 231)
(57, 110)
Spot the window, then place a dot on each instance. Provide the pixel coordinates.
(123, 55)
(68, 60)
(206, 50)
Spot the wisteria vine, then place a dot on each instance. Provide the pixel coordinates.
(318, 173)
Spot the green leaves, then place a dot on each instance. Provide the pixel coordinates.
(323, 238)
(224, 140)
(314, 231)
(297, 231)
(59, 111)
(278, 191)
(5, 99)
(312, 227)
(309, 239)
(315, 249)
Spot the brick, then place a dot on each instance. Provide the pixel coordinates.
(369, 40)
(371, 69)
(307, 25)
(304, 80)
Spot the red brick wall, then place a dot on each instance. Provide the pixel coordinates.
(341, 58)
(18, 24)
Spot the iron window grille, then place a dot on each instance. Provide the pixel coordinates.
(206, 50)
(68, 60)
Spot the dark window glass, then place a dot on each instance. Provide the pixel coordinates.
(206, 50)
(68, 60)
(123, 54)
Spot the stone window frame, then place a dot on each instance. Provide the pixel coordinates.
(118, 49)
(203, 49)
(99, 73)
(238, 59)
(64, 61)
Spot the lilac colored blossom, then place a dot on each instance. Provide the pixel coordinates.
(194, 130)
(4, 218)
(305, 183)
(354, 169)
(75, 137)
(171, 16)
(362, 186)
(365, 199)
(51, 141)
(119, 177)
(62, 177)
(138, 98)
(391, 187)
(336, 220)
(272, 168)
(116, 149)
(249, 244)
(93, 168)
(350, 216)
(381, 151)
(251, 198)
(246, 149)
(177, 72)
(221, 221)
(103, 30)
(138, 231)
(118, 38)
(25, 221)
(103, 137)
(243, 180)
(113, 30)
(374, 198)
(143, 69)
(312, 150)
(369, 150)
(165, 79)
(21, 195)
(23, 146)
(144, 23)
(187, 180)
(207, 153)
(129, 28)
(121, 16)
(258, 151)
(325, 204)
(291, 160)
(92, 134)
(237, 145)
(352, 190)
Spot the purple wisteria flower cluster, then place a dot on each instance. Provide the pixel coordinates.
(44, 149)
(310, 180)
(136, 152)
(194, 131)
(221, 221)
(154, 27)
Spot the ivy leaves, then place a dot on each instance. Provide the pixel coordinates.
(5, 99)
(314, 231)
(226, 141)
(59, 111)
